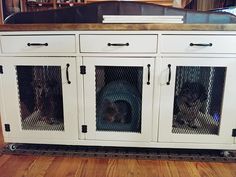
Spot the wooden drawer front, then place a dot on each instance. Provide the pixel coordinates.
(38, 44)
(118, 43)
(198, 44)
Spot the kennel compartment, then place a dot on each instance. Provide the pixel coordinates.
(118, 98)
(116, 95)
(198, 99)
(38, 96)
(197, 104)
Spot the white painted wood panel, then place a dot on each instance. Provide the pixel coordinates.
(186, 44)
(90, 99)
(118, 43)
(28, 44)
(11, 99)
(227, 118)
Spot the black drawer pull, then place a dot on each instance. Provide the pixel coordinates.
(203, 45)
(37, 44)
(118, 44)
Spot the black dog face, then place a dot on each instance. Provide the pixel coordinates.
(118, 111)
(191, 92)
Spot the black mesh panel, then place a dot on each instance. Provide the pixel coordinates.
(40, 97)
(198, 100)
(118, 98)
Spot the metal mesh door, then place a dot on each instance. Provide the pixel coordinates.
(40, 97)
(118, 98)
(198, 99)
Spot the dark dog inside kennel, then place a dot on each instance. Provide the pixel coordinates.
(40, 97)
(198, 99)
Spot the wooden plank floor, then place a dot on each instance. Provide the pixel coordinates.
(51, 166)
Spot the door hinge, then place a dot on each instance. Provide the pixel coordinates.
(1, 70)
(7, 127)
(82, 69)
(234, 133)
(84, 129)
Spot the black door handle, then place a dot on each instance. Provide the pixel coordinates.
(148, 82)
(67, 73)
(169, 77)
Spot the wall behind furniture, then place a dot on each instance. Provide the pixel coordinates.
(12, 6)
(37, 5)
(204, 5)
(161, 2)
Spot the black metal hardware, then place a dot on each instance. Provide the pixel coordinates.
(37, 44)
(84, 129)
(148, 82)
(82, 69)
(7, 127)
(201, 44)
(169, 77)
(234, 133)
(67, 73)
(1, 69)
(118, 44)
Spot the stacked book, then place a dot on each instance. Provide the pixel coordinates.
(142, 19)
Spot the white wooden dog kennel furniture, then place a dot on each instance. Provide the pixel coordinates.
(68, 68)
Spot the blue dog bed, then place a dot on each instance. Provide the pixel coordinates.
(120, 91)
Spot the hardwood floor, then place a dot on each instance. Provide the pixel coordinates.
(53, 166)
